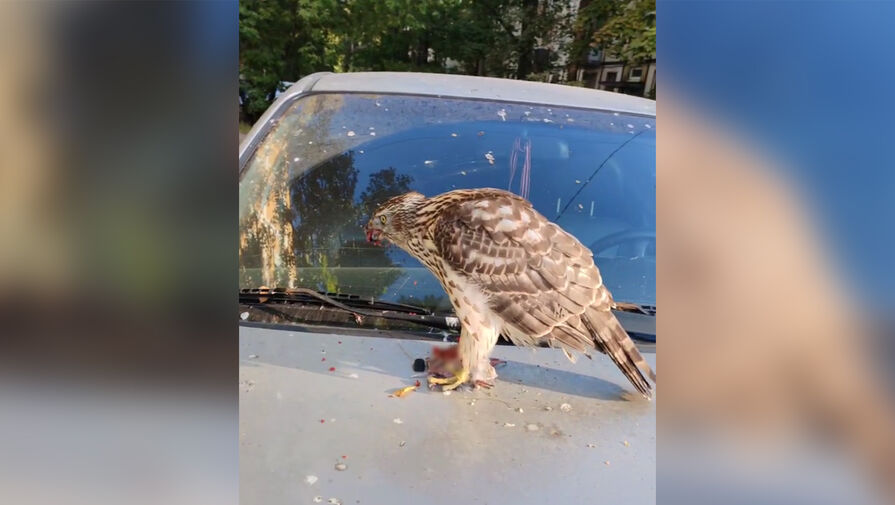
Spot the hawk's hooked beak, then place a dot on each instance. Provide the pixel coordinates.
(373, 235)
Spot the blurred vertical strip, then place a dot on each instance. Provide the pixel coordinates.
(118, 128)
(775, 219)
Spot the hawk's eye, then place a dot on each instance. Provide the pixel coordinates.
(383, 219)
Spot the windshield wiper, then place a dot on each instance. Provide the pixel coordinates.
(639, 328)
(646, 310)
(353, 304)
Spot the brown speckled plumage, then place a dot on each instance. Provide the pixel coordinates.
(508, 270)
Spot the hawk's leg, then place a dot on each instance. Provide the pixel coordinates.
(474, 365)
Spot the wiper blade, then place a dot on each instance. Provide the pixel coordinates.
(639, 328)
(356, 305)
(302, 295)
(647, 310)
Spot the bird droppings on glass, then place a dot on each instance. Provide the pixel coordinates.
(490, 157)
(629, 125)
(462, 172)
(580, 206)
(429, 162)
(615, 113)
(310, 142)
(577, 181)
(311, 479)
(373, 134)
(253, 356)
(351, 133)
(565, 407)
(591, 208)
(548, 120)
(509, 425)
(647, 125)
(453, 134)
(371, 128)
(527, 113)
(397, 420)
(244, 316)
(296, 159)
(503, 114)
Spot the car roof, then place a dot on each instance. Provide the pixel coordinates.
(466, 86)
(447, 86)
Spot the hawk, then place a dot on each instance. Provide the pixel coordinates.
(508, 270)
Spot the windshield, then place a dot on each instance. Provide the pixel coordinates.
(330, 159)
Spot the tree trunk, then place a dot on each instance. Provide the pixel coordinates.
(526, 39)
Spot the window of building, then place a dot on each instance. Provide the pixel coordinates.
(636, 74)
(611, 76)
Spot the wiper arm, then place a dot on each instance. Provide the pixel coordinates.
(647, 310)
(302, 295)
(638, 327)
(639, 320)
(355, 305)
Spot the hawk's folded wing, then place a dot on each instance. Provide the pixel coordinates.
(539, 279)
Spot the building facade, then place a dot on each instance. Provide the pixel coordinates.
(605, 72)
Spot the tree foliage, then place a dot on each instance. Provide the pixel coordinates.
(284, 40)
(630, 31)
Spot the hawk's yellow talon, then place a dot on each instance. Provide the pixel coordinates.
(453, 382)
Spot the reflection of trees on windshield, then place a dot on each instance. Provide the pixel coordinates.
(328, 250)
(383, 185)
(322, 210)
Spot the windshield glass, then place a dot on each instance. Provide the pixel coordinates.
(330, 159)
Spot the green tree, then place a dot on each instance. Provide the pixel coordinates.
(280, 40)
(630, 33)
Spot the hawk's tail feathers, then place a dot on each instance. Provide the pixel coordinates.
(612, 339)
